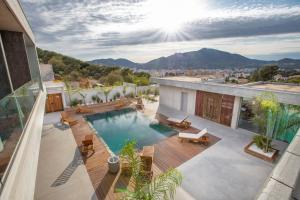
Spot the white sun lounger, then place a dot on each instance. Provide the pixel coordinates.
(193, 135)
(176, 120)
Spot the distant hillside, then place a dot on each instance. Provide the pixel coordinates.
(115, 62)
(204, 58)
(72, 69)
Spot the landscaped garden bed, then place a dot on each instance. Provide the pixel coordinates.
(254, 150)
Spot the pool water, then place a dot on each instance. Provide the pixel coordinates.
(118, 127)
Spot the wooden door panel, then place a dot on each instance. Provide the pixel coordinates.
(57, 102)
(54, 103)
(227, 109)
(199, 104)
(212, 106)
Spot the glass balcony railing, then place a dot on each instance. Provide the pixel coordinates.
(15, 110)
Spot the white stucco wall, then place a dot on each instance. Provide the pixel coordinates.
(171, 97)
(236, 112)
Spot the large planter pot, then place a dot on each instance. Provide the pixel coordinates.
(113, 164)
(253, 150)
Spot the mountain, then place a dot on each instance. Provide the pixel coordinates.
(204, 58)
(115, 62)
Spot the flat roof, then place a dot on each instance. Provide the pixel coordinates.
(184, 78)
(277, 87)
(286, 93)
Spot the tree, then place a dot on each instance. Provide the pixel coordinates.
(106, 92)
(161, 187)
(76, 69)
(264, 73)
(66, 81)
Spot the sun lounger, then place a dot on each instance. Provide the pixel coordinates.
(82, 110)
(198, 137)
(66, 119)
(140, 104)
(181, 123)
(120, 104)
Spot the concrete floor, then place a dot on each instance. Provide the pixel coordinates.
(61, 172)
(223, 171)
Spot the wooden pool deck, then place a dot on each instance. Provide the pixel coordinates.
(169, 153)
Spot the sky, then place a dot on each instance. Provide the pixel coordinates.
(142, 30)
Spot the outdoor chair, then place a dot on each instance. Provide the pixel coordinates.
(87, 143)
(181, 123)
(147, 156)
(198, 137)
(140, 104)
(120, 104)
(83, 110)
(65, 119)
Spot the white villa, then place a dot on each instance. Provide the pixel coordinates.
(42, 138)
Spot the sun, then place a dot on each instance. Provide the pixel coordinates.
(170, 15)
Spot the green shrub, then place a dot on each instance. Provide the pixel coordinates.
(130, 95)
(96, 98)
(262, 141)
(156, 92)
(75, 102)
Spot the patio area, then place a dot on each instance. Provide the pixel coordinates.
(223, 171)
(219, 171)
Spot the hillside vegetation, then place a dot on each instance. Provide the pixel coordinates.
(66, 67)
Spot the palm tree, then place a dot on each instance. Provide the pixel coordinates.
(68, 87)
(162, 186)
(83, 96)
(106, 92)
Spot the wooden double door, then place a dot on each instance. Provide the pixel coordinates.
(54, 103)
(214, 107)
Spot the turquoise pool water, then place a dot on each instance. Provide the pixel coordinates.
(117, 127)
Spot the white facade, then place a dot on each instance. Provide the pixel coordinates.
(171, 97)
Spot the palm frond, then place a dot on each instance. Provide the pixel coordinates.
(164, 186)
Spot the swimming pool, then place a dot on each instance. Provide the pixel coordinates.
(117, 127)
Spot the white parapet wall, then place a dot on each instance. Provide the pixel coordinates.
(283, 183)
(20, 181)
(171, 97)
(89, 93)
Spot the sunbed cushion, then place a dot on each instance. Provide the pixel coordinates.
(174, 120)
(193, 135)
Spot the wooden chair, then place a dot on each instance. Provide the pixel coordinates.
(125, 167)
(66, 119)
(147, 156)
(87, 143)
(140, 104)
(83, 110)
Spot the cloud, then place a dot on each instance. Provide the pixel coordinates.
(88, 25)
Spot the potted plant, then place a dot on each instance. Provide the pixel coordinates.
(274, 120)
(113, 164)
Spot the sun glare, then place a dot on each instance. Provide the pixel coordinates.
(171, 15)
